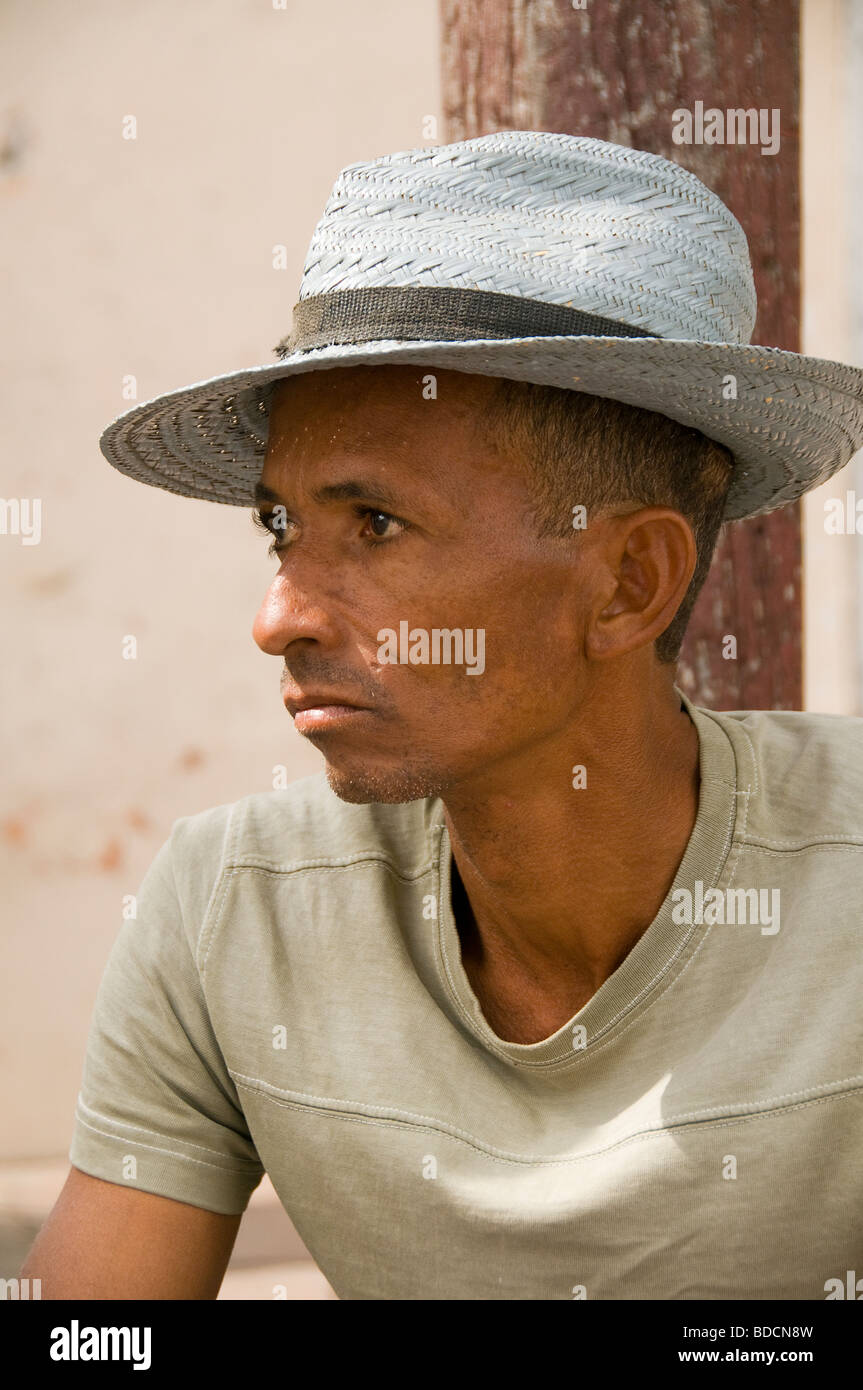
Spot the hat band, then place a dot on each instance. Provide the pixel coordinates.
(437, 313)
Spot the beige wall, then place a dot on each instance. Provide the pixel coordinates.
(149, 257)
(831, 167)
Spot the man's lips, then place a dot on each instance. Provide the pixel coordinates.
(297, 705)
(324, 712)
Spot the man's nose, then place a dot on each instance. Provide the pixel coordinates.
(289, 614)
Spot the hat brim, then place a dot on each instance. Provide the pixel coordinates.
(790, 421)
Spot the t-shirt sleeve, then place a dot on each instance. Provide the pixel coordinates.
(157, 1108)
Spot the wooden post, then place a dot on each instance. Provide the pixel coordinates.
(617, 71)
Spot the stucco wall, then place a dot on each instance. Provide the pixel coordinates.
(832, 280)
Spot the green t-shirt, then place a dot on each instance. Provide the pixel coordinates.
(291, 998)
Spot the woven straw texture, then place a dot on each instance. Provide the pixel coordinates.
(559, 219)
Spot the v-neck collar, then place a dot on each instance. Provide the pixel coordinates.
(655, 953)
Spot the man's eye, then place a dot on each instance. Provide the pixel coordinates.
(272, 524)
(380, 522)
(379, 526)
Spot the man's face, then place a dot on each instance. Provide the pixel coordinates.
(401, 517)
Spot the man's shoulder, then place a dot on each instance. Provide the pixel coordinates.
(804, 772)
(305, 824)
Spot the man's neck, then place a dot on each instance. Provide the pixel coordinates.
(553, 885)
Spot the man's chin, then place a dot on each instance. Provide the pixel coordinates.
(364, 785)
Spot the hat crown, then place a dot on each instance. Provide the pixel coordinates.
(564, 219)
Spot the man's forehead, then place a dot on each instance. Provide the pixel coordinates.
(352, 437)
(367, 434)
(339, 450)
(385, 398)
(379, 413)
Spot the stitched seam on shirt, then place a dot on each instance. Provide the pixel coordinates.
(210, 930)
(175, 1153)
(121, 1124)
(211, 923)
(789, 846)
(227, 843)
(429, 1126)
(739, 728)
(269, 1088)
(744, 731)
(739, 838)
(215, 891)
(259, 863)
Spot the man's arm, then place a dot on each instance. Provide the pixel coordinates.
(104, 1241)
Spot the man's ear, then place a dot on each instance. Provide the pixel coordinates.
(649, 558)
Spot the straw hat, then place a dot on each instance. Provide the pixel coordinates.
(542, 257)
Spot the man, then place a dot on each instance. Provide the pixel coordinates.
(547, 987)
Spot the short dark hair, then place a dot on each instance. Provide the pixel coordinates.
(588, 450)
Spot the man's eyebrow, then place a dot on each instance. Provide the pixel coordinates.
(265, 494)
(351, 489)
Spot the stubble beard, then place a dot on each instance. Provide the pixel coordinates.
(394, 786)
